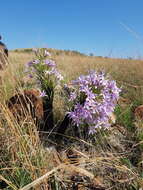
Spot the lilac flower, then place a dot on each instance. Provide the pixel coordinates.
(30, 76)
(42, 94)
(29, 64)
(54, 72)
(50, 63)
(95, 96)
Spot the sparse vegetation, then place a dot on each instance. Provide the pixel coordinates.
(112, 160)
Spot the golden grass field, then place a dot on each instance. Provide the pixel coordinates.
(113, 161)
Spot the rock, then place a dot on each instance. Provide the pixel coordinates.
(139, 112)
(29, 104)
(26, 105)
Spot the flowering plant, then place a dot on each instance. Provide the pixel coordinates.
(45, 72)
(94, 98)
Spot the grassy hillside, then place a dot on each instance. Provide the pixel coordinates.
(113, 160)
(128, 73)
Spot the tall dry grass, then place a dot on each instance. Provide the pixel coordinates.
(106, 161)
(127, 73)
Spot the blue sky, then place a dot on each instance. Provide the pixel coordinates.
(103, 27)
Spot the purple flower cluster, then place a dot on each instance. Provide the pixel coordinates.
(54, 72)
(94, 98)
(50, 63)
(47, 67)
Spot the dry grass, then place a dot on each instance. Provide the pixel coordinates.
(112, 160)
